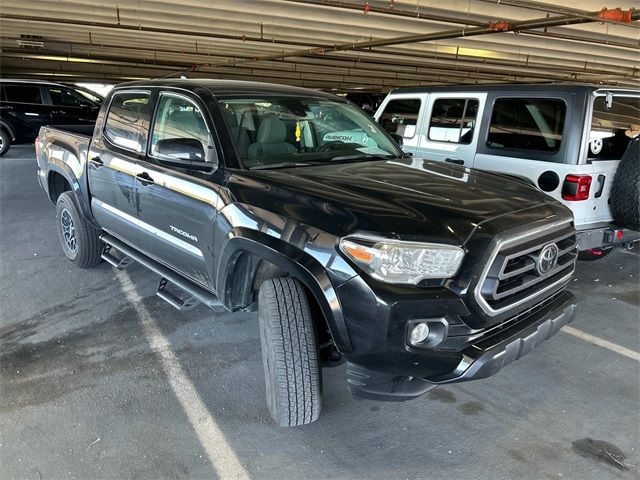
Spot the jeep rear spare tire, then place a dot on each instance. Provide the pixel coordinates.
(625, 191)
(289, 352)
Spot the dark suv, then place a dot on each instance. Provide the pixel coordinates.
(27, 105)
(297, 204)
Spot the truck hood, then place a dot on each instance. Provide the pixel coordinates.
(411, 199)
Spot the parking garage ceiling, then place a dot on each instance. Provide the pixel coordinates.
(332, 45)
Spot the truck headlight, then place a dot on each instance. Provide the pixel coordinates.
(396, 261)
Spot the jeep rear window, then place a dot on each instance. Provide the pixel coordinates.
(527, 124)
(614, 123)
(21, 94)
(126, 121)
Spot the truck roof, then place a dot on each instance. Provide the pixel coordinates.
(226, 87)
(518, 87)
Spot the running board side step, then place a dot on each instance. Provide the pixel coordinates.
(174, 300)
(116, 262)
(195, 294)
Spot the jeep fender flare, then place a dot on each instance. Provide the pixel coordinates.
(301, 265)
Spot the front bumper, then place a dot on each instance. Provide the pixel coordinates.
(481, 359)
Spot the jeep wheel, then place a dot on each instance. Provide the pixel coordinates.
(626, 188)
(289, 352)
(5, 141)
(79, 239)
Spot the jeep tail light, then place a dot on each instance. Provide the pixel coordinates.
(576, 187)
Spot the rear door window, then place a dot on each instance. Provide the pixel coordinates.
(400, 116)
(22, 94)
(527, 124)
(453, 120)
(178, 118)
(614, 123)
(127, 120)
(64, 97)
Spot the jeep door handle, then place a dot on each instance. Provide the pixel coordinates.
(601, 179)
(454, 160)
(144, 178)
(96, 162)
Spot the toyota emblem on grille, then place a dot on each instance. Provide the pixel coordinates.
(547, 259)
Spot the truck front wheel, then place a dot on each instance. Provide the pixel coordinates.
(79, 239)
(289, 352)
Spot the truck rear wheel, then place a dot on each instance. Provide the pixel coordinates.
(625, 191)
(80, 241)
(289, 352)
(5, 141)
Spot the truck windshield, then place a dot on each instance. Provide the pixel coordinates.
(289, 131)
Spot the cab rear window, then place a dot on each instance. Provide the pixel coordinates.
(127, 119)
(527, 124)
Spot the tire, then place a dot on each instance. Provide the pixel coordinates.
(289, 352)
(625, 191)
(5, 141)
(80, 241)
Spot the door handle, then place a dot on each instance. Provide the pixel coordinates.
(144, 178)
(601, 179)
(454, 160)
(96, 162)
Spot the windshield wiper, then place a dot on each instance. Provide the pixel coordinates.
(363, 156)
(270, 166)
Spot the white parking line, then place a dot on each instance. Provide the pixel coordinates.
(220, 453)
(614, 347)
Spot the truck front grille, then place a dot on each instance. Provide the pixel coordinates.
(527, 269)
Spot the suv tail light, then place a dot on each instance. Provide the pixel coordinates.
(576, 187)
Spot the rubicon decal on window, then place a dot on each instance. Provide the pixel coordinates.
(350, 136)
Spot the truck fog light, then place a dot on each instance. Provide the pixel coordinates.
(419, 333)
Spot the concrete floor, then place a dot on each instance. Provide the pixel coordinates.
(100, 379)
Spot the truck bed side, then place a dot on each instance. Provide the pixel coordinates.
(61, 153)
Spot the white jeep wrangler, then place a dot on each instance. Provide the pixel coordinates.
(565, 140)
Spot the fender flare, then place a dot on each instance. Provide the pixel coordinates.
(301, 265)
(8, 128)
(66, 172)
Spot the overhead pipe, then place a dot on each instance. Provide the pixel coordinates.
(422, 60)
(549, 8)
(474, 20)
(492, 27)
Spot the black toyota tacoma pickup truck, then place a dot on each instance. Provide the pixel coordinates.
(297, 204)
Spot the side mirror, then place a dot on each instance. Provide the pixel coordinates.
(183, 153)
(397, 138)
